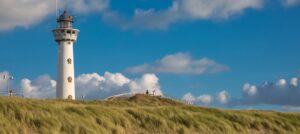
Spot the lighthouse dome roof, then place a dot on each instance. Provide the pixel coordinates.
(65, 17)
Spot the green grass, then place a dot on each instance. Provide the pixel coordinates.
(137, 115)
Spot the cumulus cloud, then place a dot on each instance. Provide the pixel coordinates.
(42, 87)
(278, 93)
(182, 10)
(294, 82)
(281, 83)
(147, 82)
(204, 99)
(223, 97)
(24, 13)
(93, 86)
(249, 89)
(189, 98)
(180, 63)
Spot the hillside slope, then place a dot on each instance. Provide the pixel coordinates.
(136, 115)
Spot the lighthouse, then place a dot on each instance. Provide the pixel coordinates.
(65, 36)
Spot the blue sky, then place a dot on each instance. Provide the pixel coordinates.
(256, 41)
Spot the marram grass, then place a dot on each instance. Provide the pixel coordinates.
(137, 115)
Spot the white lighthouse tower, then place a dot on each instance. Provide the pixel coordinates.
(65, 36)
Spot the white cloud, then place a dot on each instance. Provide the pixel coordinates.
(189, 98)
(147, 82)
(93, 86)
(180, 63)
(14, 13)
(117, 78)
(92, 79)
(182, 10)
(203, 9)
(22, 13)
(281, 83)
(223, 97)
(42, 87)
(25, 13)
(205, 99)
(249, 89)
(87, 6)
(280, 93)
(294, 82)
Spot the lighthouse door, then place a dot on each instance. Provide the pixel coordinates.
(70, 97)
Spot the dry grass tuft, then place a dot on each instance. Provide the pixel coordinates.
(135, 115)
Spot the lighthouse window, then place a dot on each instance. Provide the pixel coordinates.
(69, 42)
(69, 61)
(70, 79)
(73, 32)
(69, 32)
(65, 24)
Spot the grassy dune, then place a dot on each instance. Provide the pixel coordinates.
(137, 115)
